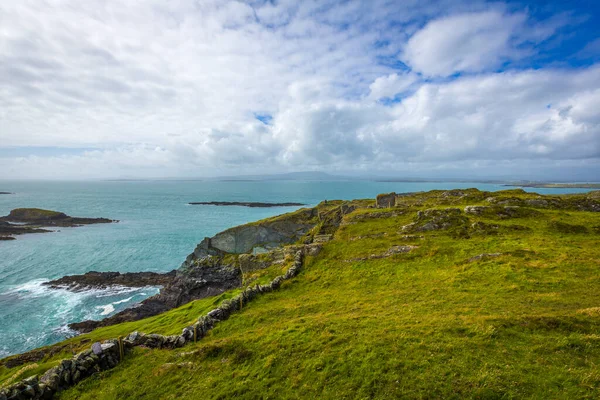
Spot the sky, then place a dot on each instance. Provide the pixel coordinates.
(197, 88)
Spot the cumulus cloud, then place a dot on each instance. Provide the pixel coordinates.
(511, 115)
(174, 89)
(473, 42)
(389, 86)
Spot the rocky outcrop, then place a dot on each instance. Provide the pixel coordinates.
(502, 212)
(261, 236)
(8, 230)
(103, 280)
(484, 256)
(476, 210)
(29, 220)
(390, 252)
(207, 277)
(437, 219)
(588, 202)
(245, 204)
(246, 237)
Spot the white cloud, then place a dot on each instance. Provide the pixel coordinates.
(172, 89)
(390, 85)
(487, 117)
(472, 42)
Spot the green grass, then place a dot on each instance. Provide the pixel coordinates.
(35, 213)
(424, 324)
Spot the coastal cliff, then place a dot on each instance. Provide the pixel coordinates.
(218, 263)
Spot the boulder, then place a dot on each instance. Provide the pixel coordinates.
(437, 219)
(484, 256)
(476, 210)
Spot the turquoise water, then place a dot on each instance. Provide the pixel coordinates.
(157, 230)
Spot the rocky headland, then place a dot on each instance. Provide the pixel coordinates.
(217, 264)
(31, 220)
(244, 204)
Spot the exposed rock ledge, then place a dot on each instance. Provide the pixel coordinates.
(244, 204)
(29, 220)
(103, 280)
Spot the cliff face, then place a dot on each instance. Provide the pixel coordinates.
(257, 237)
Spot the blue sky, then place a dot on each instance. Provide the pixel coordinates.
(382, 87)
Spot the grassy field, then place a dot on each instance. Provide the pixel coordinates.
(491, 306)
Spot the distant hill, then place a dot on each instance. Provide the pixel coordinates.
(291, 176)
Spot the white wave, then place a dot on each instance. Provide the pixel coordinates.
(32, 288)
(123, 301)
(36, 288)
(109, 308)
(116, 290)
(61, 306)
(106, 309)
(65, 331)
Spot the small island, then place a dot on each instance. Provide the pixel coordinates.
(31, 220)
(244, 204)
(5, 193)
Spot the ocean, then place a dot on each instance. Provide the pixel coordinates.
(157, 229)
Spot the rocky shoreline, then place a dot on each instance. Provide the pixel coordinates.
(216, 265)
(104, 280)
(31, 220)
(244, 204)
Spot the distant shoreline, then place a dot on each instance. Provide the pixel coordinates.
(244, 204)
(558, 185)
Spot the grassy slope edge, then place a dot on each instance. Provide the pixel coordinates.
(430, 323)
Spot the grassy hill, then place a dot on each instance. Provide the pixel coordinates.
(414, 301)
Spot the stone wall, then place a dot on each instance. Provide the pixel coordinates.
(108, 354)
(386, 200)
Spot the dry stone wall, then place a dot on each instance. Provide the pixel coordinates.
(109, 353)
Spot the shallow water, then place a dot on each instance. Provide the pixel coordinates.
(157, 230)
